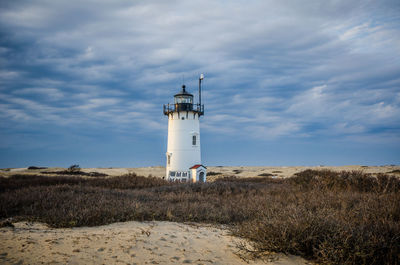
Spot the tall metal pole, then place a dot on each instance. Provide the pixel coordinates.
(201, 78)
(200, 92)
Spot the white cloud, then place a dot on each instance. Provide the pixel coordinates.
(51, 93)
(6, 75)
(346, 128)
(275, 130)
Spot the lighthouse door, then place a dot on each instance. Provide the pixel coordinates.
(201, 176)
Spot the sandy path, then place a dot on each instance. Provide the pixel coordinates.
(123, 243)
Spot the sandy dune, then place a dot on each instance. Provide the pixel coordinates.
(243, 171)
(218, 171)
(124, 243)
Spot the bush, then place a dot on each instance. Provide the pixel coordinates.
(266, 175)
(129, 181)
(345, 181)
(331, 228)
(212, 173)
(34, 167)
(250, 180)
(74, 168)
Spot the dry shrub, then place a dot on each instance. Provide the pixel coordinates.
(83, 205)
(35, 167)
(212, 173)
(129, 181)
(330, 217)
(345, 181)
(266, 175)
(263, 179)
(72, 171)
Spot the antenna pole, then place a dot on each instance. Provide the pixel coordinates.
(201, 78)
(200, 92)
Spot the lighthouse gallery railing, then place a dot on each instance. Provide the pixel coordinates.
(197, 108)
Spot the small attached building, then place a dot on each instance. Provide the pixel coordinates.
(198, 173)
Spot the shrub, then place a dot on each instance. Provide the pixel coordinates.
(34, 167)
(331, 228)
(212, 173)
(129, 181)
(266, 175)
(345, 181)
(249, 180)
(74, 168)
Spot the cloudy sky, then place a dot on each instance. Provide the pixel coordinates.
(287, 82)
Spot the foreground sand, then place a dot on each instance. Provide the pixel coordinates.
(124, 243)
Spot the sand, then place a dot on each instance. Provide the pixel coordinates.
(244, 171)
(125, 243)
(218, 171)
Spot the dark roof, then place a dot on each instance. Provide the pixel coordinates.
(183, 92)
(197, 166)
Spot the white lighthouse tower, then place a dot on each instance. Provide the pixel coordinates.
(183, 151)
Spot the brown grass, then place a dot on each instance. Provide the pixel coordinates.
(129, 181)
(329, 217)
(77, 172)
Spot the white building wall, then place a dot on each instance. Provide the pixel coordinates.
(183, 154)
(196, 174)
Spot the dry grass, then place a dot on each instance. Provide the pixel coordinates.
(330, 217)
(333, 218)
(130, 181)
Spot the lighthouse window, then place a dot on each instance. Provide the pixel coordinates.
(183, 100)
(172, 173)
(194, 140)
(178, 174)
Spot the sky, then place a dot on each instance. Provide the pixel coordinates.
(286, 82)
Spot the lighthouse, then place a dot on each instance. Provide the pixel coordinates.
(183, 151)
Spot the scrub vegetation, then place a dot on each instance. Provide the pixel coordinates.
(325, 216)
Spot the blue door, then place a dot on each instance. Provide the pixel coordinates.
(201, 176)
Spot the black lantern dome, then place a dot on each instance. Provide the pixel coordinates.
(183, 101)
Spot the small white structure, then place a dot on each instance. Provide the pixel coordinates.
(198, 173)
(183, 150)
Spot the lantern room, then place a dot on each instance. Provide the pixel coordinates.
(183, 96)
(183, 101)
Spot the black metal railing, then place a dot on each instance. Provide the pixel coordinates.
(170, 108)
